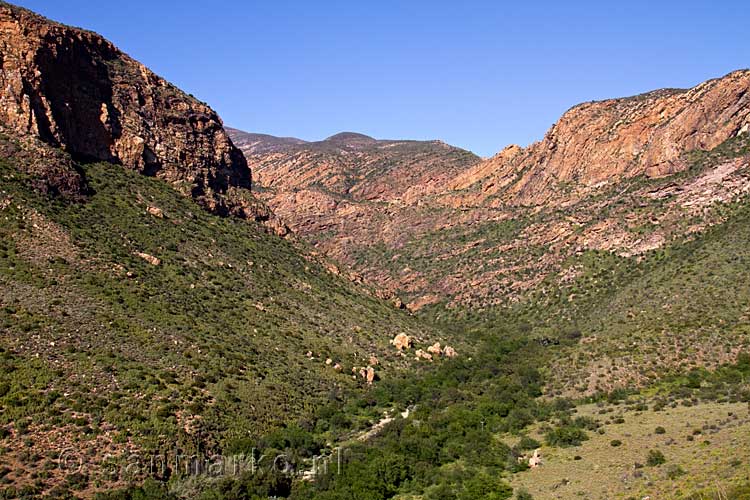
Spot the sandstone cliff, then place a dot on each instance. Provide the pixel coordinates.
(599, 142)
(76, 91)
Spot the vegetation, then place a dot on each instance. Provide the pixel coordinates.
(654, 458)
(149, 324)
(191, 352)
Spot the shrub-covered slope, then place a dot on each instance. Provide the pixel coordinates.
(138, 320)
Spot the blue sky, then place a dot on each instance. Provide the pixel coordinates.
(477, 74)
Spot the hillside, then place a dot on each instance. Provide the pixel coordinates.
(485, 233)
(163, 337)
(136, 316)
(136, 321)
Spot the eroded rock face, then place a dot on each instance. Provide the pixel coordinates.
(76, 91)
(598, 142)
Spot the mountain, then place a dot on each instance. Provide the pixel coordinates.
(73, 90)
(349, 193)
(134, 320)
(602, 142)
(441, 226)
(579, 308)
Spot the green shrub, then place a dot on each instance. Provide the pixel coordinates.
(523, 494)
(565, 436)
(485, 487)
(674, 471)
(528, 443)
(654, 458)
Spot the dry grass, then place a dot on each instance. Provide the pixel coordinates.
(715, 458)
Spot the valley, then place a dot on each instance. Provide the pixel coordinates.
(424, 322)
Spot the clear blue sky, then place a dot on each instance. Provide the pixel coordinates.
(477, 74)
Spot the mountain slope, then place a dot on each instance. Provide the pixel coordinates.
(679, 306)
(133, 321)
(153, 323)
(617, 175)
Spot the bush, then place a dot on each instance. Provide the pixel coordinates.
(523, 494)
(660, 430)
(654, 458)
(675, 471)
(565, 436)
(442, 492)
(527, 443)
(485, 487)
(615, 443)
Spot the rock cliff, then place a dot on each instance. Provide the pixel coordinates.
(76, 91)
(600, 142)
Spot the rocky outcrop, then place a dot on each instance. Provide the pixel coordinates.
(420, 354)
(154, 261)
(77, 92)
(599, 142)
(402, 342)
(435, 349)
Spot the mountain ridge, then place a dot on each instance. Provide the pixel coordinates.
(644, 134)
(551, 191)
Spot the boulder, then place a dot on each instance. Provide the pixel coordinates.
(402, 341)
(156, 212)
(420, 354)
(536, 459)
(154, 261)
(435, 349)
